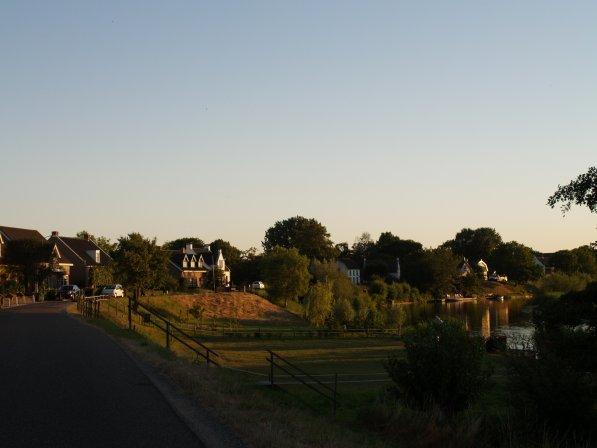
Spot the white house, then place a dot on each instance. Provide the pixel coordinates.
(484, 268)
(351, 269)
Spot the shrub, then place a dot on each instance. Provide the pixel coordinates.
(319, 303)
(562, 283)
(549, 393)
(444, 367)
(396, 317)
(378, 288)
(343, 312)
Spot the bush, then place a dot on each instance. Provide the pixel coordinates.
(396, 317)
(562, 283)
(444, 367)
(378, 288)
(549, 393)
(403, 292)
(319, 303)
(343, 312)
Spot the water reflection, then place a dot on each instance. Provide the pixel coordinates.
(480, 316)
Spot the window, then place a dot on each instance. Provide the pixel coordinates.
(184, 263)
(192, 264)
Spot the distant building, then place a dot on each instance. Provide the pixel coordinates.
(351, 269)
(464, 268)
(395, 271)
(191, 265)
(484, 268)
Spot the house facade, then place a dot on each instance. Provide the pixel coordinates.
(59, 264)
(351, 269)
(191, 265)
(78, 258)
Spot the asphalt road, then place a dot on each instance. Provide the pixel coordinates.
(66, 384)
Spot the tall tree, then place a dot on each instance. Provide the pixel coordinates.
(516, 261)
(140, 264)
(434, 271)
(180, 243)
(286, 274)
(475, 244)
(29, 259)
(319, 301)
(581, 191)
(231, 254)
(309, 236)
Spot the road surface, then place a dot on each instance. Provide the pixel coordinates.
(66, 384)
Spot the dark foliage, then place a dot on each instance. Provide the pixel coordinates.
(444, 367)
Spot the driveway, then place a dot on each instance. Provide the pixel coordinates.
(66, 384)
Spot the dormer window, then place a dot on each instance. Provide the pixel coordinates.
(185, 262)
(192, 263)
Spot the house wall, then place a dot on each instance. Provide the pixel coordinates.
(192, 278)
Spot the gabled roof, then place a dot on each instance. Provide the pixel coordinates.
(15, 233)
(59, 258)
(78, 250)
(178, 256)
(349, 263)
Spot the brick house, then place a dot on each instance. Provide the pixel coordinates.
(82, 254)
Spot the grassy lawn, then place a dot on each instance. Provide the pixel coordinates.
(291, 414)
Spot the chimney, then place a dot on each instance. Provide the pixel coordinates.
(55, 233)
(189, 248)
(86, 236)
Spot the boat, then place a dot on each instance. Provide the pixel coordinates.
(495, 298)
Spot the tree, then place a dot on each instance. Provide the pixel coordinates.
(434, 271)
(247, 268)
(516, 261)
(29, 259)
(444, 366)
(181, 243)
(328, 272)
(362, 246)
(309, 236)
(581, 191)
(102, 242)
(140, 264)
(231, 254)
(475, 244)
(319, 302)
(286, 273)
(580, 260)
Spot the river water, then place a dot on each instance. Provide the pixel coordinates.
(485, 317)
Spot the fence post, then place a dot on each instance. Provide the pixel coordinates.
(271, 368)
(130, 316)
(168, 335)
(335, 403)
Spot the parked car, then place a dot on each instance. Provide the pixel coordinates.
(113, 291)
(68, 292)
(257, 285)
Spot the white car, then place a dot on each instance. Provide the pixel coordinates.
(113, 291)
(257, 285)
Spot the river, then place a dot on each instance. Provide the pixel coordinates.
(485, 317)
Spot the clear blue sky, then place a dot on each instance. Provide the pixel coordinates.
(215, 119)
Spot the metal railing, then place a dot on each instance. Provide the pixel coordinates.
(302, 377)
(90, 306)
(172, 331)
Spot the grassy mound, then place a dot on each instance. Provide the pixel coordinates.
(241, 306)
